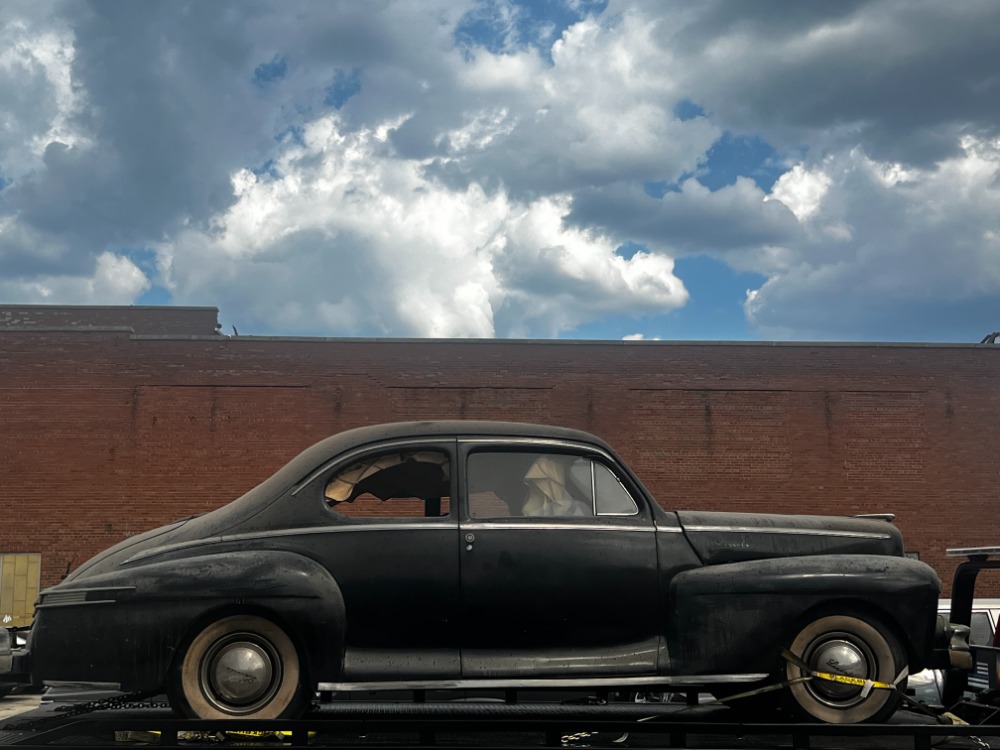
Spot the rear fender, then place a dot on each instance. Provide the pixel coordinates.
(294, 591)
(135, 639)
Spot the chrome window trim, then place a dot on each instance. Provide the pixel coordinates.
(430, 443)
(502, 440)
(555, 682)
(786, 530)
(618, 479)
(508, 445)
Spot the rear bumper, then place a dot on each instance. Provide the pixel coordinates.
(951, 645)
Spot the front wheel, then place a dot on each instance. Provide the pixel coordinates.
(850, 645)
(240, 666)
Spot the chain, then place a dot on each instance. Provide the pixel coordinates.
(127, 701)
(572, 740)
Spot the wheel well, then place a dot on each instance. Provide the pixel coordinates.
(230, 610)
(861, 607)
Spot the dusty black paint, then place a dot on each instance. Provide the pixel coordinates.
(657, 593)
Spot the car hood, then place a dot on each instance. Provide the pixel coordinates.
(732, 537)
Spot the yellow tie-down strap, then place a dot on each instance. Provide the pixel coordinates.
(196, 736)
(866, 685)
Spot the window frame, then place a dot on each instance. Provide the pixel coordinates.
(467, 447)
(321, 477)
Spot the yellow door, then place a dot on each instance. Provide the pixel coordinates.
(20, 573)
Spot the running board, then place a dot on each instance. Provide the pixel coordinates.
(663, 681)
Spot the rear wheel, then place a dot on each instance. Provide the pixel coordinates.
(240, 666)
(850, 645)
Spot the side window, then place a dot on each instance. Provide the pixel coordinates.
(528, 484)
(612, 498)
(396, 484)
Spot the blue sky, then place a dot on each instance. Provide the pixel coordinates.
(552, 168)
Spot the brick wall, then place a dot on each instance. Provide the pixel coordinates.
(104, 434)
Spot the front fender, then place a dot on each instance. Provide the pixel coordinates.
(736, 617)
(132, 635)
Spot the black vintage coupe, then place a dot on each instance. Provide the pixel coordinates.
(487, 555)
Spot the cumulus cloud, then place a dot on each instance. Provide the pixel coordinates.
(367, 245)
(39, 100)
(692, 219)
(906, 77)
(597, 109)
(474, 168)
(115, 280)
(903, 251)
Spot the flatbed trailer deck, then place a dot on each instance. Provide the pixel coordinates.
(425, 725)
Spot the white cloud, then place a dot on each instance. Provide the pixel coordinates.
(601, 112)
(116, 280)
(36, 87)
(639, 337)
(366, 244)
(464, 191)
(915, 251)
(801, 191)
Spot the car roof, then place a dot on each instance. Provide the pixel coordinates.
(304, 466)
(325, 450)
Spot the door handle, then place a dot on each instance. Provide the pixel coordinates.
(469, 539)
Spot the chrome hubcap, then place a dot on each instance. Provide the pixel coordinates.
(839, 654)
(240, 673)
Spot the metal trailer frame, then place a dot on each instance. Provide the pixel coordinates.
(560, 725)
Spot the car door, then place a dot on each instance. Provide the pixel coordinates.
(558, 564)
(393, 550)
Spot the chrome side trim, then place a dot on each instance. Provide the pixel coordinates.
(529, 526)
(451, 526)
(669, 530)
(171, 548)
(88, 589)
(577, 682)
(75, 597)
(784, 530)
(79, 603)
(302, 531)
(79, 685)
